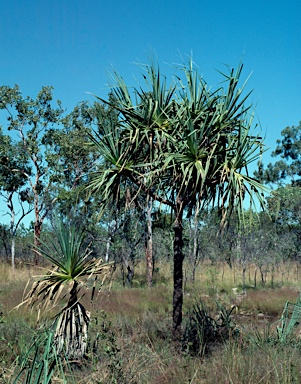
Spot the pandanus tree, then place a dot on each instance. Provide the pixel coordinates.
(183, 145)
(71, 274)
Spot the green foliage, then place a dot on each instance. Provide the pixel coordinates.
(69, 156)
(72, 270)
(284, 205)
(72, 267)
(284, 202)
(194, 143)
(105, 343)
(202, 330)
(14, 165)
(40, 362)
(30, 119)
(288, 168)
(291, 317)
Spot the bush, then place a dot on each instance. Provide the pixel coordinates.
(202, 330)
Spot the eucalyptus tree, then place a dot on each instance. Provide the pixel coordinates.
(284, 206)
(70, 161)
(288, 168)
(182, 144)
(13, 165)
(284, 202)
(29, 119)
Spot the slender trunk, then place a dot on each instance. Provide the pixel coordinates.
(234, 272)
(38, 218)
(178, 274)
(249, 273)
(149, 244)
(13, 235)
(272, 275)
(195, 241)
(14, 224)
(108, 247)
(12, 228)
(244, 269)
(262, 275)
(111, 231)
(130, 271)
(37, 242)
(13, 252)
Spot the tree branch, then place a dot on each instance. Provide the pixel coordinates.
(149, 192)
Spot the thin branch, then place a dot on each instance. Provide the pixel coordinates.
(149, 192)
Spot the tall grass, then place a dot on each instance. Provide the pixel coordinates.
(130, 336)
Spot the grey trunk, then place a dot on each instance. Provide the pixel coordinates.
(149, 243)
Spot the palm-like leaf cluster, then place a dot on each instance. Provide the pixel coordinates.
(181, 141)
(72, 269)
(72, 273)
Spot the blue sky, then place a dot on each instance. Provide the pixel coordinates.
(69, 44)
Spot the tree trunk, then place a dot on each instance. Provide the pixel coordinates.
(272, 275)
(195, 241)
(108, 246)
(262, 276)
(130, 271)
(13, 234)
(12, 230)
(149, 244)
(13, 252)
(71, 331)
(178, 274)
(37, 242)
(38, 220)
(244, 269)
(111, 231)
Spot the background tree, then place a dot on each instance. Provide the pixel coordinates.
(31, 119)
(180, 145)
(70, 160)
(288, 169)
(285, 201)
(13, 167)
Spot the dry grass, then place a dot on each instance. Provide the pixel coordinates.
(269, 302)
(137, 337)
(12, 285)
(239, 364)
(133, 302)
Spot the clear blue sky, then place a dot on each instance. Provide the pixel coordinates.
(69, 44)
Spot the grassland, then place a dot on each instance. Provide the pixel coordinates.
(130, 333)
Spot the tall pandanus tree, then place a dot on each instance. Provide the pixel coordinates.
(182, 145)
(73, 271)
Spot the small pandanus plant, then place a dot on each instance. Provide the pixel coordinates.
(73, 269)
